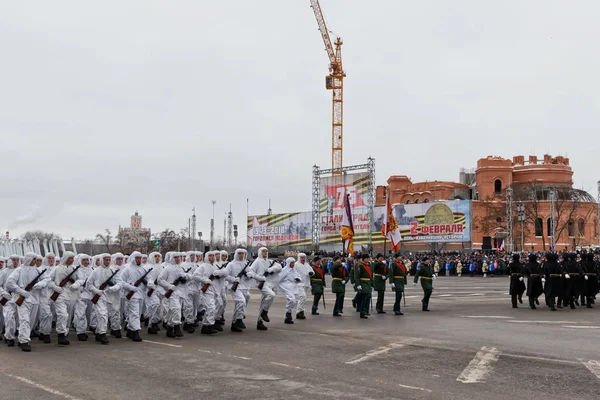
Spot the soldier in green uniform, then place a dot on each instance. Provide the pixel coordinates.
(317, 283)
(338, 285)
(379, 277)
(364, 281)
(397, 275)
(427, 277)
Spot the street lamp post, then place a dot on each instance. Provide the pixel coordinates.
(521, 218)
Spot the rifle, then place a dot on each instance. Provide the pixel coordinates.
(242, 273)
(151, 291)
(138, 283)
(64, 282)
(261, 284)
(3, 301)
(206, 285)
(177, 281)
(103, 286)
(29, 287)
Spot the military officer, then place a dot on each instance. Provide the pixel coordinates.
(338, 285)
(397, 275)
(379, 278)
(427, 276)
(364, 282)
(317, 283)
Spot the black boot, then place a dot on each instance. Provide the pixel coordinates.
(26, 347)
(62, 339)
(190, 328)
(265, 316)
(129, 334)
(177, 330)
(300, 315)
(170, 332)
(217, 326)
(363, 316)
(155, 326)
(116, 333)
(241, 324)
(222, 321)
(260, 326)
(136, 336)
(82, 337)
(398, 313)
(103, 339)
(152, 330)
(288, 318)
(314, 312)
(236, 328)
(212, 330)
(10, 343)
(41, 337)
(47, 339)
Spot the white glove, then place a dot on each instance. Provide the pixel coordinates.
(261, 278)
(24, 293)
(151, 285)
(75, 286)
(311, 273)
(343, 282)
(6, 296)
(433, 277)
(359, 287)
(585, 277)
(58, 289)
(543, 280)
(111, 289)
(237, 280)
(414, 283)
(39, 285)
(393, 286)
(567, 276)
(521, 279)
(173, 287)
(384, 278)
(130, 288)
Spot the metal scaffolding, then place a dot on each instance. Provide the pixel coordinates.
(316, 197)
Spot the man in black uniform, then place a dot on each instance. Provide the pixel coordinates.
(517, 285)
(534, 281)
(553, 273)
(591, 270)
(573, 285)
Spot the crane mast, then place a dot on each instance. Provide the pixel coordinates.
(334, 82)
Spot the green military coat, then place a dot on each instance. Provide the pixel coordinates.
(364, 278)
(379, 275)
(397, 276)
(317, 281)
(339, 275)
(426, 273)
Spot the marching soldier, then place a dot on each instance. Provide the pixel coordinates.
(338, 285)
(317, 282)
(397, 276)
(379, 278)
(427, 276)
(553, 272)
(364, 284)
(533, 271)
(591, 278)
(573, 285)
(517, 285)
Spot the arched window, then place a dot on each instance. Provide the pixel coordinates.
(417, 201)
(539, 227)
(497, 186)
(550, 233)
(408, 201)
(426, 201)
(581, 227)
(571, 228)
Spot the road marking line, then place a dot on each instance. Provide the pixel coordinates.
(290, 366)
(480, 366)
(414, 388)
(163, 344)
(556, 360)
(581, 326)
(542, 322)
(476, 294)
(376, 352)
(445, 295)
(43, 387)
(486, 316)
(242, 358)
(593, 366)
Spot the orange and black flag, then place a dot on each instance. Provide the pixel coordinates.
(347, 227)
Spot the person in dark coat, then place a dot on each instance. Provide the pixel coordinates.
(535, 289)
(553, 274)
(517, 285)
(591, 270)
(573, 285)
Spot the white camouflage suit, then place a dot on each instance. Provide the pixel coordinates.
(242, 293)
(262, 270)
(98, 277)
(9, 310)
(68, 294)
(83, 304)
(303, 268)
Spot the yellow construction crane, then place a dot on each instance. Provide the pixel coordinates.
(335, 82)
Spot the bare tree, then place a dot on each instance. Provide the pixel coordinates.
(105, 239)
(532, 195)
(40, 235)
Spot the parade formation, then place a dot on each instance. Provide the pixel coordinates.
(190, 290)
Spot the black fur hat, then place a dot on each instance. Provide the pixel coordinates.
(532, 258)
(551, 256)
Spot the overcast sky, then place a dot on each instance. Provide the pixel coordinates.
(159, 106)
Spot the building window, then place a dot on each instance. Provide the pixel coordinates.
(539, 227)
(581, 227)
(497, 186)
(407, 201)
(417, 201)
(571, 228)
(426, 201)
(550, 233)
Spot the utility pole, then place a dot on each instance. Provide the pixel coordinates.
(509, 219)
(225, 230)
(230, 227)
(193, 230)
(552, 221)
(212, 226)
(269, 211)
(521, 218)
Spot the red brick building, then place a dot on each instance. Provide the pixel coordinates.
(530, 183)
